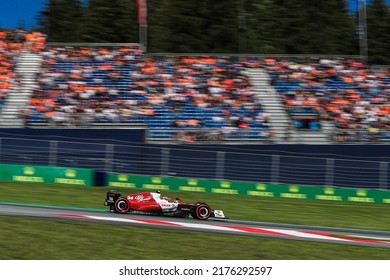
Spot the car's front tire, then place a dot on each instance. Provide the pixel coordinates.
(202, 212)
(121, 206)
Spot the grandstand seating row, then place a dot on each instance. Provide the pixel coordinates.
(165, 93)
(95, 86)
(351, 94)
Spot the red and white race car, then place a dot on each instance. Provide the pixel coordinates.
(151, 203)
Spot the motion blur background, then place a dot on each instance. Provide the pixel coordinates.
(265, 73)
(292, 96)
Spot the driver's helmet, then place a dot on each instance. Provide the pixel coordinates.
(158, 196)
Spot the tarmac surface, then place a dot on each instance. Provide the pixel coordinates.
(224, 226)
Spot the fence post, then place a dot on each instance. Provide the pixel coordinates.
(275, 166)
(329, 173)
(109, 157)
(164, 165)
(383, 169)
(219, 170)
(53, 149)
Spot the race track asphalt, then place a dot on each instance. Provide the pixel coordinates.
(225, 226)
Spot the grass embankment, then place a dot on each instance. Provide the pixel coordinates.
(35, 239)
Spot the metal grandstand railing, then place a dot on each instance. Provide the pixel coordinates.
(199, 162)
(360, 136)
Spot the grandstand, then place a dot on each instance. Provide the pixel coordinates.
(197, 98)
(347, 92)
(10, 47)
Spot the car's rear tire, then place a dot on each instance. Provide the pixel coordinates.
(202, 212)
(121, 206)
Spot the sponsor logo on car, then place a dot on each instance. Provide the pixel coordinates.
(167, 204)
(139, 198)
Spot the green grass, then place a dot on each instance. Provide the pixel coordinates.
(35, 239)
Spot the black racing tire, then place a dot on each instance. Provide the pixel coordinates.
(121, 206)
(202, 212)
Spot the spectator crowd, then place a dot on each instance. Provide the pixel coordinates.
(12, 44)
(81, 86)
(195, 98)
(347, 92)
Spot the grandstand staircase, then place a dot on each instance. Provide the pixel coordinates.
(278, 117)
(27, 67)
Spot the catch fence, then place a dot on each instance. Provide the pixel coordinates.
(198, 162)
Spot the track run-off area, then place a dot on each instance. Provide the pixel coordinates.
(225, 226)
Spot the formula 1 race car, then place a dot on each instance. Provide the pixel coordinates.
(151, 203)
